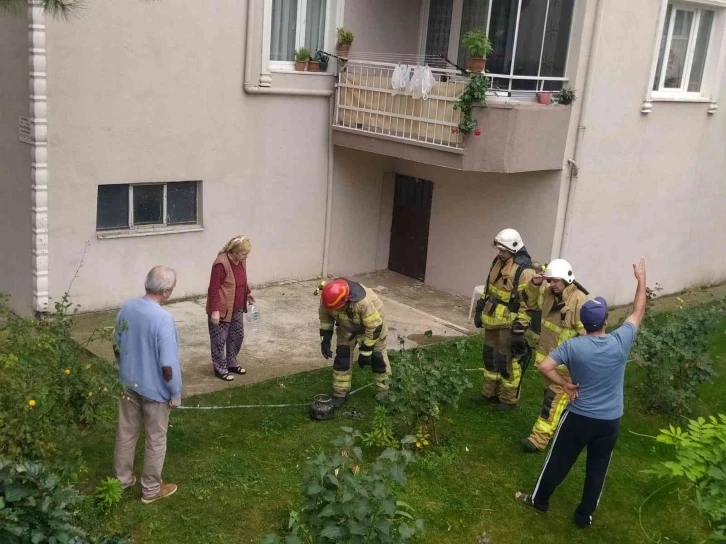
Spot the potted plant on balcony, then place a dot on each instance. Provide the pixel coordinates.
(567, 96)
(323, 59)
(345, 39)
(544, 98)
(302, 56)
(477, 44)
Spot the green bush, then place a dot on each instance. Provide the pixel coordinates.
(348, 503)
(673, 351)
(302, 54)
(422, 386)
(701, 458)
(48, 386)
(475, 93)
(344, 37)
(381, 434)
(34, 508)
(108, 494)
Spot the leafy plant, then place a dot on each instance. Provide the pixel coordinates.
(700, 458)
(346, 503)
(567, 96)
(323, 59)
(477, 44)
(34, 507)
(48, 386)
(381, 434)
(345, 37)
(474, 93)
(108, 493)
(673, 351)
(422, 386)
(302, 54)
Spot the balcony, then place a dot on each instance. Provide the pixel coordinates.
(517, 134)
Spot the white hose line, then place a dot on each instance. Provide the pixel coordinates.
(261, 405)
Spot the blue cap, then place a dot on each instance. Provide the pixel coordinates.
(594, 313)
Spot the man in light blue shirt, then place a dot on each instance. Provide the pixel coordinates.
(147, 348)
(597, 365)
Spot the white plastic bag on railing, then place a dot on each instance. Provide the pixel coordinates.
(399, 78)
(421, 83)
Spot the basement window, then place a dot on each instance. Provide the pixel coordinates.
(148, 207)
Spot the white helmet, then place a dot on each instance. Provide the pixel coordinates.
(509, 239)
(560, 269)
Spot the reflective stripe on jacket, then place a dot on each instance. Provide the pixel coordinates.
(501, 286)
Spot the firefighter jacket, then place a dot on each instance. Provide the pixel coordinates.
(362, 319)
(560, 315)
(502, 299)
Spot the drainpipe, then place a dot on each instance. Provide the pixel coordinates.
(329, 192)
(557, 250)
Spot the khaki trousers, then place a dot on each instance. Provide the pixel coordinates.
(133, 411)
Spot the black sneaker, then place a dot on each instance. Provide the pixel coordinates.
(528, 446)
(583, 522)
(504, 407)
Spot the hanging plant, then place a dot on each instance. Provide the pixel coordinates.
(474, 93)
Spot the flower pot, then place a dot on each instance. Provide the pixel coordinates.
(343, 49)
(300, 65)
(474, 64)
(324, 65)
(313, 66)
(544, 98)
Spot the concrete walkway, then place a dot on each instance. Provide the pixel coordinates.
(288, 340)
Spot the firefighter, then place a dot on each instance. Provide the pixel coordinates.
(357, 314)
(560, 302)
(500, 312)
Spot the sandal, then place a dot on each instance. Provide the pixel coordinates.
(237, 370)
(227, 377)
(523, 498)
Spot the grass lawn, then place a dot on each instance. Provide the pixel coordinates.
(239, 471)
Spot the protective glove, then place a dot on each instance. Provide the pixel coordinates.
(519, 344)
(364, 358)
(477, 314)
(325, 339)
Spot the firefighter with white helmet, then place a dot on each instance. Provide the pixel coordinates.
(356, 313)
(502, 315)
(560, 302)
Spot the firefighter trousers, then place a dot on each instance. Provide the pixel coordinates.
(553, 406)
(345, 351)
(502, 372)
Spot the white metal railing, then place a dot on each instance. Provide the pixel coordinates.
(366, 101)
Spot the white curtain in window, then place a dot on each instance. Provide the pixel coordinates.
(315, 25)
(282, 35)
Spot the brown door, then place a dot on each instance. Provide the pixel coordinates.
(410, 226)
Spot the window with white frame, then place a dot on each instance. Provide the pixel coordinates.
(296, 24)
(152, 205)
(684, 50)
(530, 38)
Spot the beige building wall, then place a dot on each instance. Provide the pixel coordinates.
(145, 92)
(469, 209)
(357, 205)
(650, 184)
(384, 26)
(15, 164)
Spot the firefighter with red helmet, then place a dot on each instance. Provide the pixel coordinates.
(356, 313)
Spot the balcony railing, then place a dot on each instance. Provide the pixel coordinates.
(366, 102)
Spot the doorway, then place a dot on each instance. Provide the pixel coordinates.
(410, 226)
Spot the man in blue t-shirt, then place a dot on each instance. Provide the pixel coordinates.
(597, 365)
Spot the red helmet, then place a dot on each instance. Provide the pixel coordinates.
(335, 294)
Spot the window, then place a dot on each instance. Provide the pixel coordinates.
(683, 51)
(296, 24)
(128, 206)
(530, 38)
